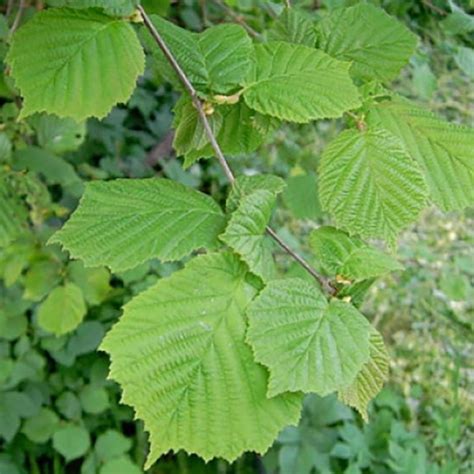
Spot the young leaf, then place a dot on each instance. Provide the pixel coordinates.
(443, 150)
(370, 184)
(245, 233)
(63, 310)
(307, 343)
(293, 26)
(349, 257)
(238, 129)
(125, 222)
(370, 379)
(246, 185)
(112, 7)
(190, 137)
(377, 44)
(65, 62)
(216, 60)
(299, 84)
(71, 441)
(180, 356)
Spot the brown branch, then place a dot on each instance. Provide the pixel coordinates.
(238, 19)
(17, 19)
(323, 281)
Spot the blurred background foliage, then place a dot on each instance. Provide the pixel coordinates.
(59, 413)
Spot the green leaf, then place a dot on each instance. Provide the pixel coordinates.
(293, 26)
(246, 185)
(179, 354)
(120, 465)
(5, 148)
(190, 137)
(9, 422)
(241, 130)
(215, 60)
(39, 428)
(94, 400)
(370, 379)
(94, 282)
(370, 184)
(301, 196)
(299, 84)
(75, 63)
(69, 406)
(349, 257)
(112, 444)
(63, 310)
(71, 441)
(376, 43)
(58, 135)
(443, 150)
(54, 169)
(307, 343)
(125, 222)
(112, 7)
(41, 278)
(245, 233)
(464, 58)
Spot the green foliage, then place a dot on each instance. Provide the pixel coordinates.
(370, 184)
(324, 88)
(443, 150)
(307, 343)
(142, 219)
(349, 257)
(191, 329)
(209, 68)
(73, 79)
(63, 310)
(214, 352)
(377, 45)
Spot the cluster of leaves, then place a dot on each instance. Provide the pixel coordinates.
(215, 357)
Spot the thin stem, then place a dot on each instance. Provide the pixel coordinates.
(17, 19)
(323, 281)
(288, 3)
(238, 19)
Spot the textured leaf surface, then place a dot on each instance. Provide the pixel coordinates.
(370, 379)
(245, 233)
(443, 150)
(245, 185)
(340, 254)
(63, 309)
(180, 356)
(125, 222)
(293, 26)
(307, 343)
(215, 60)
(113, 7)
(75, 63)
(301, 196)
(370, 184)
(238, 128)
(377, 43)
(299, 84)
(190, 137)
